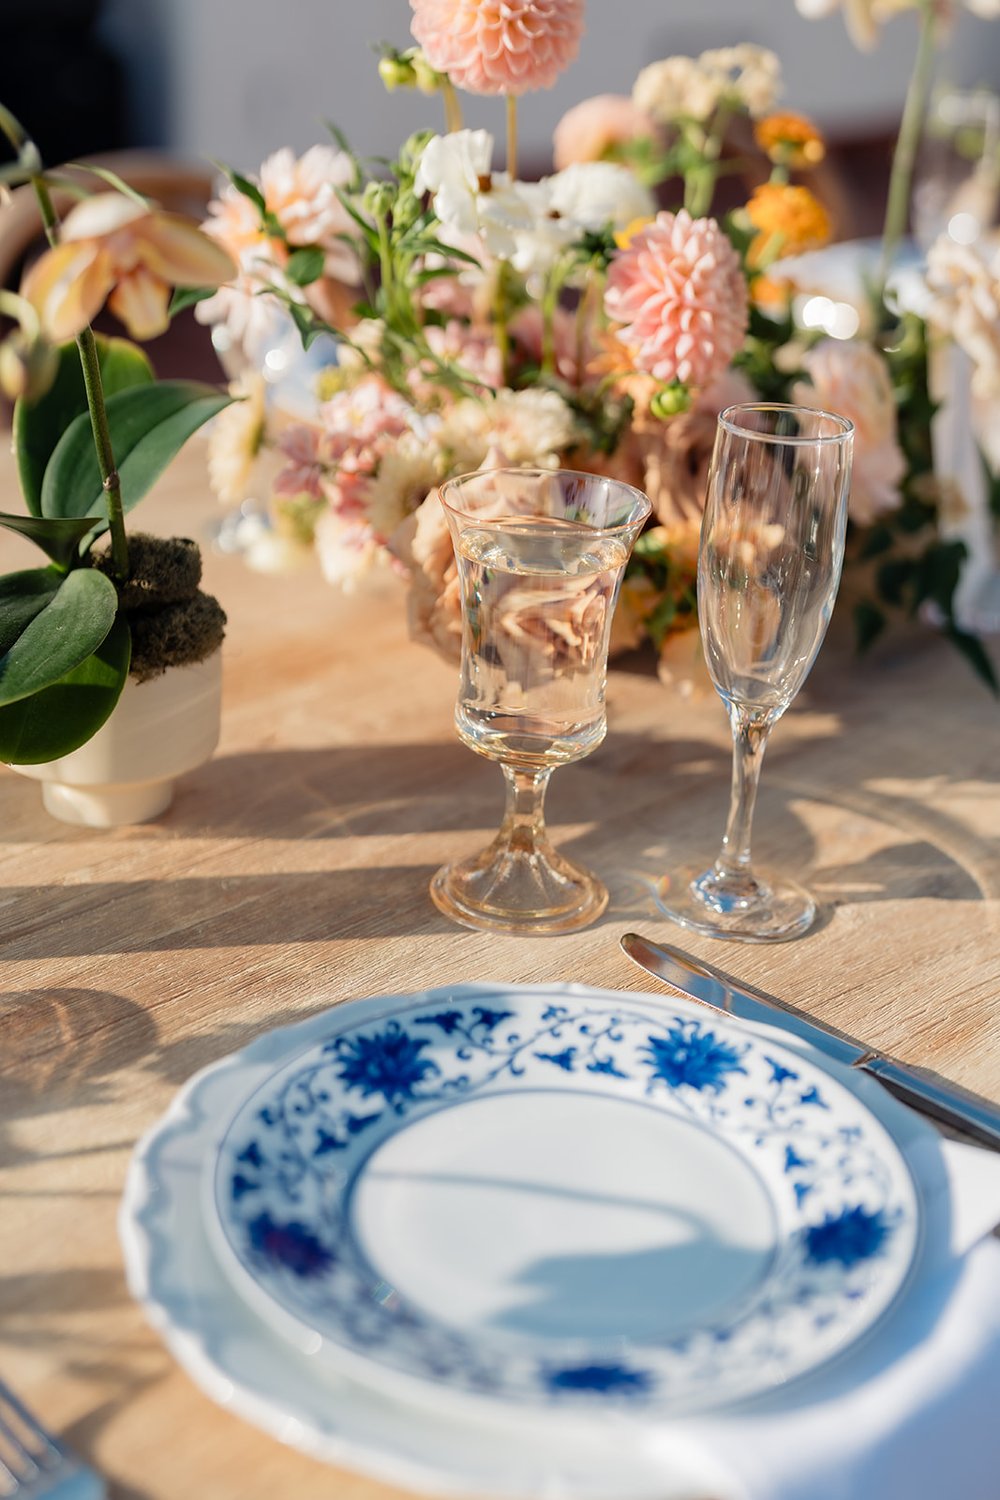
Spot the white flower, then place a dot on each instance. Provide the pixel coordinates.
(347, 550)
(594, 194)
(749, 75)
(677, 89)
(408, 471)
(863, 18)
(454, 169)
(533, 426)
(964, 281)
(518, 224)
(234, 440)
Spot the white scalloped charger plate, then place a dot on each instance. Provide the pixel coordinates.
(288, 1392)
(561, 1202)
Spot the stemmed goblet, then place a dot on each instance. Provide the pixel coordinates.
(540, 555)
(769, 563)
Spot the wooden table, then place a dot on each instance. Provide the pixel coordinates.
(292, 873)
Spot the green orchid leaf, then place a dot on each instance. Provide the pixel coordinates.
(58, 538)
(62, 634)
(39, 425)
(22, 597)
(65, 715)
(149, 425)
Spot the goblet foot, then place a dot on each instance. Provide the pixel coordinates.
(758, 908)
(519, 890)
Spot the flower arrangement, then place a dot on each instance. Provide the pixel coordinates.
(92, 430)
(598, 319)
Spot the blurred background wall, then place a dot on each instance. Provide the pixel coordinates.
(234, 79)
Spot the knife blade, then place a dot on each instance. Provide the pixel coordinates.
(943, 1101)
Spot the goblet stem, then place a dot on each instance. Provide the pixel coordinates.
(750, 736)
(523, 828)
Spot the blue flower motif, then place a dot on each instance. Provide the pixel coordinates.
(489, 1018)
(618, 1380)
(813, 1096)
(240, 1185)
(387, 1062)
(793, 1159)
(251, 1155)
(850, 1236)
(692, 1056)
(564, 1059)
(779, 1073)
(290, 1245)
(605, 1065)
(327, 1141)
(448, 1020)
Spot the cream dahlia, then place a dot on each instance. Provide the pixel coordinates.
(680, 298)
(499, 46)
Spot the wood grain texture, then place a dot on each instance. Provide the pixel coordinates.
(291, 873)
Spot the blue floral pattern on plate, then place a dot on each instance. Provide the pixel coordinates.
(281, 1189)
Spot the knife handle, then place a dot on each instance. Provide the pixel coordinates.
(945, 1102)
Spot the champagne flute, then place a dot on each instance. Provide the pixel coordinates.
(769, 563)
(541, 555)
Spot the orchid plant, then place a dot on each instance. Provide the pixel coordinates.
(482, 319)
(92, 431)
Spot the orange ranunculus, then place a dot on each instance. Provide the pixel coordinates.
(789, 220)
(112, 247)
(790, 140)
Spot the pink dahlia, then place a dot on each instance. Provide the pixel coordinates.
(499, 46)
(680, 296)
(594, 128)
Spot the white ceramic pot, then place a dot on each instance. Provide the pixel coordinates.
(126, 773)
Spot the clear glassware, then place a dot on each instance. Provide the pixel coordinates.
(541, 555)
(772, 548)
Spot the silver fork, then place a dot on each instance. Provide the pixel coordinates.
(34, 1464)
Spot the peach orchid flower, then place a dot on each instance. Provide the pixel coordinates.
(110, 244)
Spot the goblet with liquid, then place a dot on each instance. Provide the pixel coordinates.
(769, 563)
(540, 555)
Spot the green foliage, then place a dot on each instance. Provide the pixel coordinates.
(59, 538)
(148, 428)
(39, 425)
(71, 625)
(65, 644)
(65, 715)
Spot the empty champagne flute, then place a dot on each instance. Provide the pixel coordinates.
(769, 563)
(541, 555)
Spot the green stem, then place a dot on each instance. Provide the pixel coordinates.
(500, 332)
(550, 300)
(452, 108)
(87, 345)
(703, 185)
(91, 365)
(905, 154)
(512, 136)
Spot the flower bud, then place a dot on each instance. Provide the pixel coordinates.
(427, 79)
(396, 72)
(377, 199)
(27, 366)
(670, 400)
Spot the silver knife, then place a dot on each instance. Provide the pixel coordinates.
(945, 1102)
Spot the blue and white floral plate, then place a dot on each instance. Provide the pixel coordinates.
(564, 1198)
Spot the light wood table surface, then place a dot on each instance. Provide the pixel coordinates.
(292, 871)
